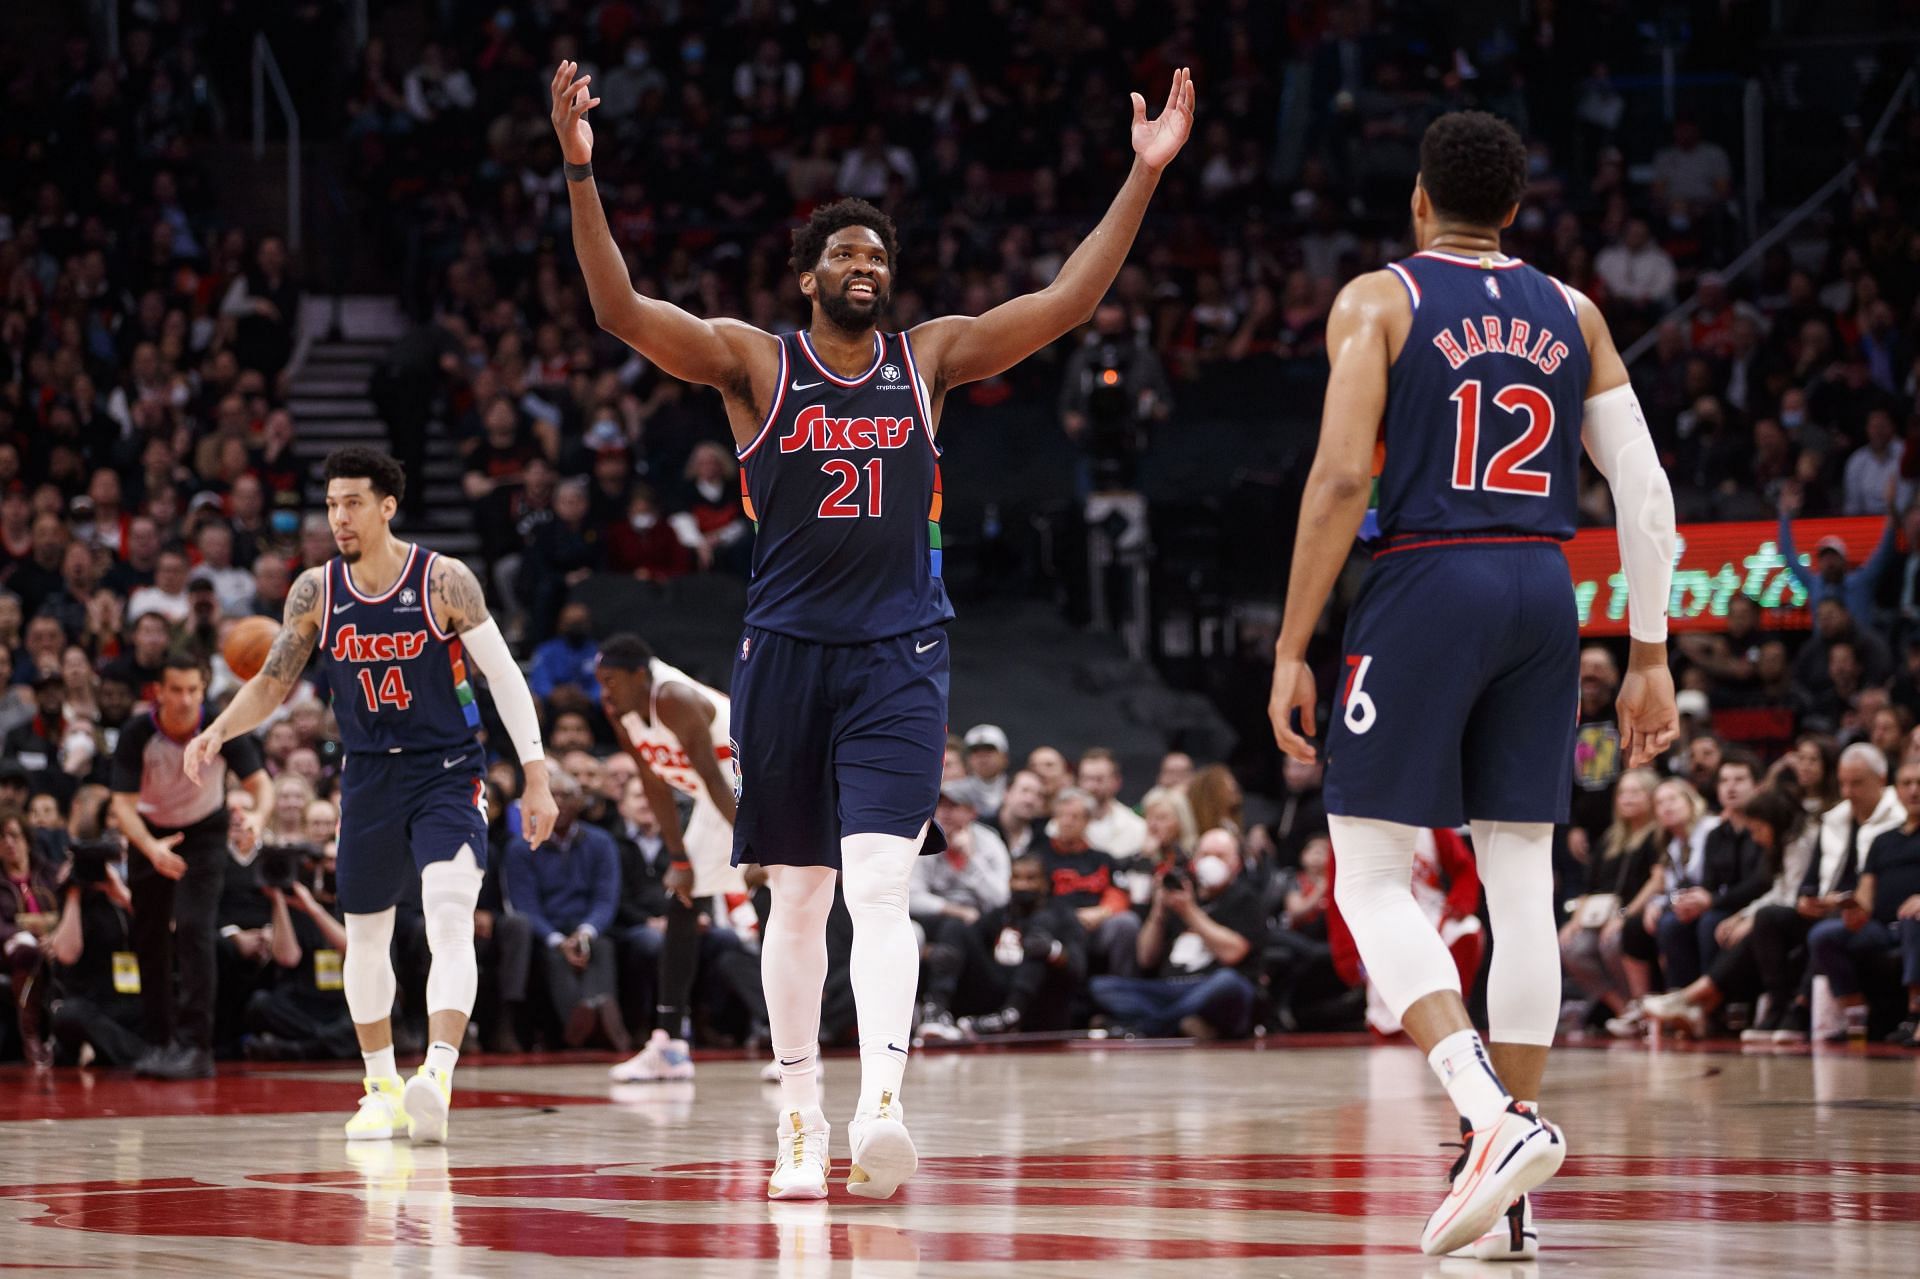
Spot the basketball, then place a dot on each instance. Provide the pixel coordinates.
(246, 645)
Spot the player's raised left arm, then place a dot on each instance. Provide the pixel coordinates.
(1616, 437)
(967, 348)
(1335, 501)
(460, 606)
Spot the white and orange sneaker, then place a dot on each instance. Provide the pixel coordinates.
(1517, 1153)
(800, 1158)
(1513, 1237)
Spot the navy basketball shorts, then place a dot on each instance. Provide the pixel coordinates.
(1459, 694)
(833, 740)
(401, 812)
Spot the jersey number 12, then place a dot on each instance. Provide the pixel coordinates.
(1505, 473)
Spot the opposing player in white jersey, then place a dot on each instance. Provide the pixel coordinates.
(676, 729)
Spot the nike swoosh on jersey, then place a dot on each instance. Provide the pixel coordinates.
(341, 608)
(449, 763)
(806, 386)
(923, 648)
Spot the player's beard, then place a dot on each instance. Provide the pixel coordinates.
(849, 315)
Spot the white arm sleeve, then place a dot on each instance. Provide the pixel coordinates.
(510, 695)
(1622, 450)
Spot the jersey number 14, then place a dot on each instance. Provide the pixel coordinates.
(1506, 472)
(391, 692)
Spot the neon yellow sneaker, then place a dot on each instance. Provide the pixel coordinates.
(428, 1097)
(380, 1115)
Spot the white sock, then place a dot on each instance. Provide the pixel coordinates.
(885, 965)
(1460, 1062)
(441, 1055)
(799, 1077)
(793, 968)
(380, 1064)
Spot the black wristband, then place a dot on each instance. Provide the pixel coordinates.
(577, 172)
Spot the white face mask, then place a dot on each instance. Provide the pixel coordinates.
(642, 523)
(1211, 872)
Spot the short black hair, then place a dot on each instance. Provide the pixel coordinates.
(1474, 167)
(810, 237)
(625, 652)
(1737, 758)
(183, 661)
(371, 465)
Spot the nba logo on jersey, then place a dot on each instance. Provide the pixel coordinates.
(746, 647)
(1493, 287)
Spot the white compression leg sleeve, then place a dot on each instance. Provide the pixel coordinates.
(793, 974)
(886, 958)
(449, 891)
(366, 970)
(1523, 981)
(1373, 885)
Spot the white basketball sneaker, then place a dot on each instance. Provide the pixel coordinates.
(883, 1153)
(800, 1158)
(427, 1098)
(1517, 1153)
(1513, 1237)
(663, 1058)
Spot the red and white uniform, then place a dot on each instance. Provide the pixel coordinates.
(708, 836)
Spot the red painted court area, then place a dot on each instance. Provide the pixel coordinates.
(1268, 1162)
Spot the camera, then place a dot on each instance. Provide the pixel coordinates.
(281, 864)
(1176, 878)
(91, 859)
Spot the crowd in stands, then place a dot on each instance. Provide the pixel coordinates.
(150, 494)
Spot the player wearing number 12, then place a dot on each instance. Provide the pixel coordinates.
(840, 682)
(1481, 378)
(397, 626)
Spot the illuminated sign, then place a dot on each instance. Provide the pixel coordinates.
(1715, 562)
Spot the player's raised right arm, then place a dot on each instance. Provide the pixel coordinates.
(257, 698)
(684, 345)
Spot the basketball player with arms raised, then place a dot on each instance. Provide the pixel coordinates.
(396, 624)
(1482, 378)
(840, 682)
(677, 731)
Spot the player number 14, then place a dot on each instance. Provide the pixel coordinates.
(392, 691)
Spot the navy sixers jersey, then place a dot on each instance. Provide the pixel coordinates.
(842, 483)
(399, 682)
(1484, 403)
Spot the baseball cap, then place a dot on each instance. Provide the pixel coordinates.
(987, 737)
(205, 497)
(960, 793)
(1691, 701)
(12, 770)
(1832, 543)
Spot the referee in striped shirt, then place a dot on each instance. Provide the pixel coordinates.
(179, 830)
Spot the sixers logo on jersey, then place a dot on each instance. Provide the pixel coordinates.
(351, 646)
(813, 429)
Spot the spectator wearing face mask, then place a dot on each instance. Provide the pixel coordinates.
(1199, 948)
(1017, 967)
(566, 662)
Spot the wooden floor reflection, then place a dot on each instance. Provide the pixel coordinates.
(1086, 1161)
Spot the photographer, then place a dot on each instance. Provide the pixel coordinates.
(27, 902)
(180, 830)
(1203, 935)
(303, 1014)
(96, 979)
(1114, 385)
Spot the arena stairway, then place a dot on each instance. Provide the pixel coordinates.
(331, 407)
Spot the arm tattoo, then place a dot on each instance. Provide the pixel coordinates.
(298, 632)
(457, 597)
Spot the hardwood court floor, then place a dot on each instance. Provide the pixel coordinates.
(1086, 1161)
